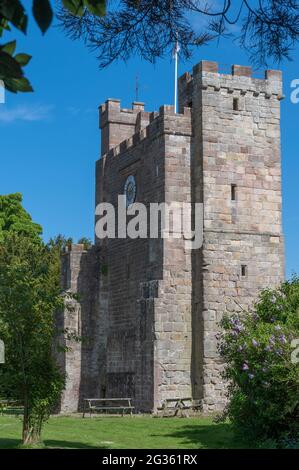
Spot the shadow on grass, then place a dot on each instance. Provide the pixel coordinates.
(213, 436)
(48, 444)
(9, 443)
(54, 444)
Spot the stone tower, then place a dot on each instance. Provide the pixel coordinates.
(150, 308)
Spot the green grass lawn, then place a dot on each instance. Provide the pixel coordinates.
(125, 433)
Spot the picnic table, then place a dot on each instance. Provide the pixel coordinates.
(92, 405)
(178, 405)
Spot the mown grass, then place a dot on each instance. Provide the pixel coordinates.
(125, 433)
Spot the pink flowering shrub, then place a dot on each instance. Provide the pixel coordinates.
(261, 365)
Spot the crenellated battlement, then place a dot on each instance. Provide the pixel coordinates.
(111, 111)
(208, 67)
(123, 128)
(239, 79)
(118, 124)
(74, 248)
(164, 121)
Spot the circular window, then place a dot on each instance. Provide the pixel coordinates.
(130, 190)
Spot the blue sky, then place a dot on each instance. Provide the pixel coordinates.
(50, 139)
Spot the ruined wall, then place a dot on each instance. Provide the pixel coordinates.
(70, 320)
(80, 320)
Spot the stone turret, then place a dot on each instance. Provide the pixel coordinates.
(119, 124)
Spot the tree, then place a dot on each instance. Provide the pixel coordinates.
(261, 368)
(29, 298)
(13, 14)
(30, 295)
(86, 242)
(14, 218)
(149, 28)
(268, 28)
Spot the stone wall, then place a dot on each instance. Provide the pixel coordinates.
(129, 334)
(173, 322)
(150, 308)
(79, 326)
(69, 323)
(137, 336)
(118, 124)
(237, 175)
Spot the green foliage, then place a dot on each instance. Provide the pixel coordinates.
(58, 246)
(43, 14)
(30, 294)
(13, 13)
(11, 69)
(29, 297)
(14, 218)
(60, 243)
(104, 269)
(86, 242)
(95, 7)
(78, 7)
(263, 377)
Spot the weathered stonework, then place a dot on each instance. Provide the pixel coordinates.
(150, 308)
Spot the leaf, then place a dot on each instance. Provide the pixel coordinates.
(9, 67)
(9, 47)
(96, 7)
(13, 11)
(76, 7)
(9, 85)
(3, 26)
(23, 59)
(43, 14)
(20, 84)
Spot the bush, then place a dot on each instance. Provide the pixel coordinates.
(261, 366)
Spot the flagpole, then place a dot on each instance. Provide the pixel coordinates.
(176, 78)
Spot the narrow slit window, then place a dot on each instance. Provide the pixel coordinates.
(233, 192)
(190, 104)
(79, 322)
(244, 270)
(236, 104)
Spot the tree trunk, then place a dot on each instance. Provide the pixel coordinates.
(31, 432)
(26, 424)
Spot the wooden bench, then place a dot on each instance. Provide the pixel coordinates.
(178, 405)
(93, 405)
(8, 406)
